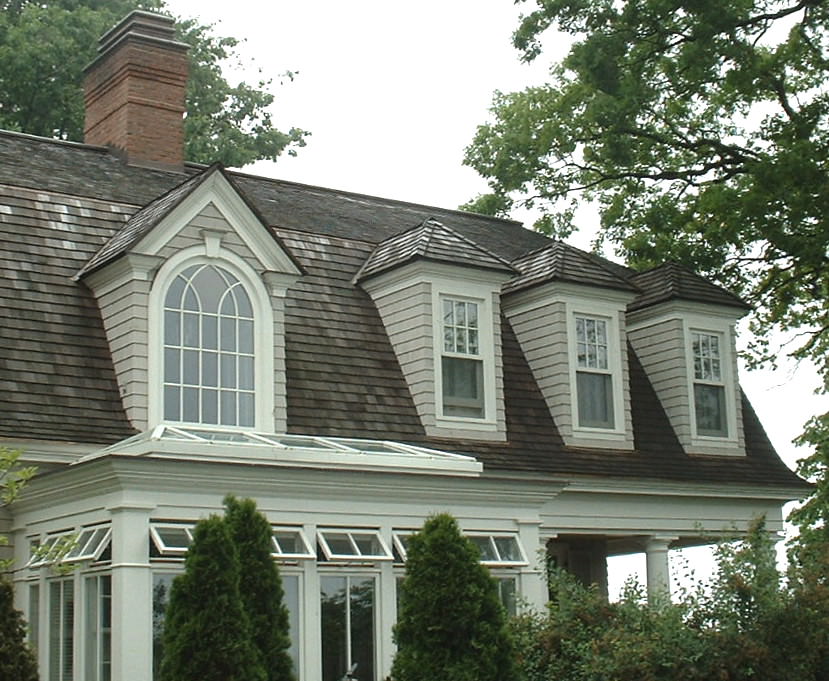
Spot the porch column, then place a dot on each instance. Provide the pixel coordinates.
(659, 571)
(132, 609)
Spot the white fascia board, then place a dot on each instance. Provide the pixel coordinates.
(428, 270)
(40, 451)
(684, 310)
(127, 267)
(218, 191)
(664, 488)
(566, 292)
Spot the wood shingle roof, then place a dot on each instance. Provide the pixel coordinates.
(61, 204)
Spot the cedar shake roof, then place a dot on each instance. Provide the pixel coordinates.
(672, 281)
(430, 240)
(60, 204)
(142, 222)
(558, 261)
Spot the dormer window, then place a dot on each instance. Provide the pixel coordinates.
(709, 385)
(461, 362)
(208, 348)
(594, 378)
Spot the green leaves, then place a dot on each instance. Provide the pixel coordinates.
(700, 129)
(44, 48)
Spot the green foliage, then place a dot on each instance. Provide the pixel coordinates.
(260, 586)
(17, 661)
(748, 624)
(451, 625)
(13, 477)
(701, 130)
(207, 634)
(44, 48)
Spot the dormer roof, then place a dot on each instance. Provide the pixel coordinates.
(561, 262)
(672, 281)
(430, 240)
(150, 216)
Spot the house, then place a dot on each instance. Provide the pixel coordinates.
(174, 332)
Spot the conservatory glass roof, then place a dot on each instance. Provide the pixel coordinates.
(234, 445)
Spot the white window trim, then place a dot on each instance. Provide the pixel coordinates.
(609, 314)
(482, 296)
(278, 554)
(723, 331)
(263, 331)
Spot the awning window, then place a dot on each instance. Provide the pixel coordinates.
(353, 545)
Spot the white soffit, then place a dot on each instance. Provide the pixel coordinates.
(228, 445)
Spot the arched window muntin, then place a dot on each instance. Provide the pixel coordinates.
(209, 374)
(221, 290)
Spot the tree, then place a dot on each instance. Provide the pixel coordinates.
(207, 635)
(45, 46)
(702, 132)
(450, 624)
(260, 586)
(17, 661)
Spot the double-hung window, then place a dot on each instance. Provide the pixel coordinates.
(208, 348)
(594, 376)
(709, 384)
(462, 366)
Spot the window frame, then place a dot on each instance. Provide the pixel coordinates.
(726, 382)
(609, 315)
(263, 340)
(482, 297)
(358, 556)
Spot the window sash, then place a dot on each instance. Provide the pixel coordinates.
(340, 544)
(595, 399)
(710, 409)
(462, 389)
(291, 543)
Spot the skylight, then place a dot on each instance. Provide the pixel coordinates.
(232, 445)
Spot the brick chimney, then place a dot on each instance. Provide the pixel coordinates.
(134, 92)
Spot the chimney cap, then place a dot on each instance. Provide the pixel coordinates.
(140, 24)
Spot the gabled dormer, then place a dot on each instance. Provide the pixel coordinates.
(682, 328)
(567, 309)
(191, 292)
(438, 294)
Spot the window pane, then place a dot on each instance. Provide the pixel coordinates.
(34, 614)
(228, 370)
(172, 327)
(290, 586)
(246, 336)
(172, 405)
(339, 543)
(246, 373)
(228, 408)
(190, 367)
(210, 406)
(595, 400)
(210, 287)
(709, 402)
(507, 593)
(486, 548)
(228, 329)
(191, 330)
(507, 548)
(210, 369)
(172, 368)
(463, 393)
(333, 613)
(162, 583)
(246, 415)
(190, 405)
(173, 298)
(210, 332)
(242, 302)
(362, 627)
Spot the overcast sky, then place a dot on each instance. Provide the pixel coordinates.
(392, 92)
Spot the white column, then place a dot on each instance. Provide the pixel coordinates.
(533, 578)
(659, 571)
(132, 608)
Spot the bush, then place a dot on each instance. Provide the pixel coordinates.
(207, 635)
(451, 625)
(17, 661)
(260, 587)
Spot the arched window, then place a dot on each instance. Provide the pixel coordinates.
(209, 375)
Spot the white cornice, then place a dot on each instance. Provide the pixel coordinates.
(431, 271)
(128, 267)
(682, 309)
